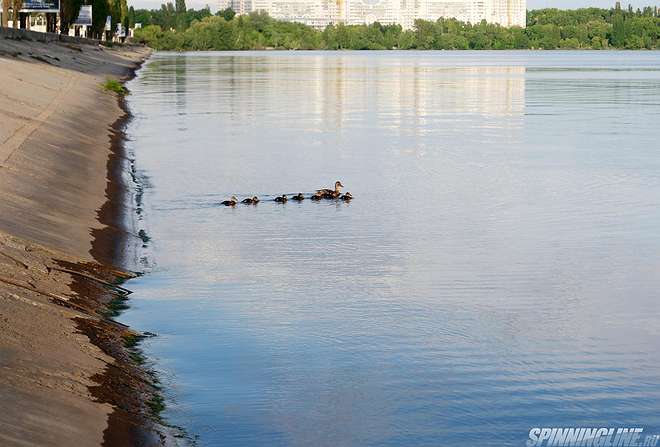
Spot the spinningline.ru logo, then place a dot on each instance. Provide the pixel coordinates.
(590, 437)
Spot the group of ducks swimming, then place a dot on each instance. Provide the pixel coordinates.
(321, 194)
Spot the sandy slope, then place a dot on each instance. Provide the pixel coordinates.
(55, 144)
(55, 131)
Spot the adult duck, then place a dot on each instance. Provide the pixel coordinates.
(251, 200)
(346, 197)
(331, 193)
(231, 202)
(298, 197)
(281, 199)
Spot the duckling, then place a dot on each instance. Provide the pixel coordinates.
(298, 198)
(231, 202)
(251, 200)
(331, 193)
(347, 197)
(281, 199)
(316, 197)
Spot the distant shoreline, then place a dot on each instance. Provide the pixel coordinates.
(547, 29)
(411, 50)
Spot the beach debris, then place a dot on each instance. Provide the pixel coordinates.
(17, 261)
(64, 301)
(118, 288)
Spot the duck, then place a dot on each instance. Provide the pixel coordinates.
(231, 202)
(298, 198)
(346, 197)
(316, 197)
(281, 199)
(331, 193)
(251, 200)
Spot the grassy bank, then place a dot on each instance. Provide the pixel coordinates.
(589, 28)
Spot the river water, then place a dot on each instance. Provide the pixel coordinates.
(498, 269)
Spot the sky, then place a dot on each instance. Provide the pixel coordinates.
(531, 4)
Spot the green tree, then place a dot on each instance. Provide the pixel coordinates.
(424, 34)
(167, 17)
(618, 28)
(180, 10)
(115, 14)
(547, 29)
(131, 17)
(406, 40)
(520, 38)
(228, 14)
(100, 11)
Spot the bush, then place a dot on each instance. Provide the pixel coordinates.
(113, 85)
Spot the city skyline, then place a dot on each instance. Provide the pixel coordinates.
(320, 13)
(531, 4)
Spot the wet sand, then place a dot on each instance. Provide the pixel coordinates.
(65, 239)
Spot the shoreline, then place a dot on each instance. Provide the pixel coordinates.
(117, 244)
(70, 373)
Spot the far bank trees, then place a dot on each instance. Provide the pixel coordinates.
(180, 29)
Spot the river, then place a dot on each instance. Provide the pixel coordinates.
(498, 269)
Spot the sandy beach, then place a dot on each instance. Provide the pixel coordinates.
(65, 241)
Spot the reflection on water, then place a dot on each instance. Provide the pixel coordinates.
(497, 271)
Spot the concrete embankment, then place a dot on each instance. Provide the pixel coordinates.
(66, 376)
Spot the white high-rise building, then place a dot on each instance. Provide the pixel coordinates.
(241, 7)
(510, 12)
(316, 13)
(319, 13)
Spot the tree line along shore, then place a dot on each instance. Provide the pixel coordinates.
(174, 27)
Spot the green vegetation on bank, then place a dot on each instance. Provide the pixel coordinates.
(116, 307)
(113, 85)
(176, 28)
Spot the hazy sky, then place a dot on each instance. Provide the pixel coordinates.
(531, 4)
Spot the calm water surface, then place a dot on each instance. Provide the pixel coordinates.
(498, 270)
